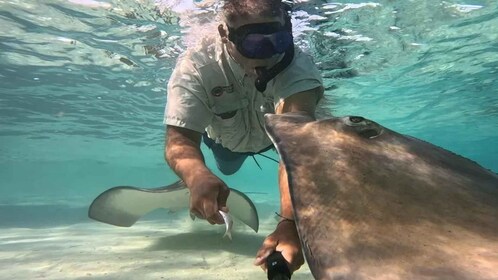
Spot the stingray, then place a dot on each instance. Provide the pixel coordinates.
(124, 205)
(370, 203)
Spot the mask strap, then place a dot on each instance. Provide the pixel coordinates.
(265, 75)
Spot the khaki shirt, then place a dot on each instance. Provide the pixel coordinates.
(208, 91)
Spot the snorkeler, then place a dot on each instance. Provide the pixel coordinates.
(218, 94)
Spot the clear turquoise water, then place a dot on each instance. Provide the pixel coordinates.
(82, 89)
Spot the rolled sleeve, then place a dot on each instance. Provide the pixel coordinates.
(301, 75)
(186, 102)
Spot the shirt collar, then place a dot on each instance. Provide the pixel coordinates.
(237, 70)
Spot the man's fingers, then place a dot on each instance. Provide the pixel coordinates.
(211, 212)
(293, 266)
(206, 203)
(222, 197)
(196, 213)
(262, 256)
(216, 219)
(269, 245)
(293, 257)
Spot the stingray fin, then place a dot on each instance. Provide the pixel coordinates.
(123, 206)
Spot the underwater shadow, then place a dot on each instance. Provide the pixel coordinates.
(41, 216)
(242, 243)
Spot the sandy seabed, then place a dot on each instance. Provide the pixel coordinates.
(176, 248)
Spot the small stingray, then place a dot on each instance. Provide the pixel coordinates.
(123, 206)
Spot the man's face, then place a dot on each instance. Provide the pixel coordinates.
(252, 33)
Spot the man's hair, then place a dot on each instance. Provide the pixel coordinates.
(233, 9)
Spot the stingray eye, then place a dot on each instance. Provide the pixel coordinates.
(356, 119)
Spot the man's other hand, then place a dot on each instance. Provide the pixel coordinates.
(285, 240)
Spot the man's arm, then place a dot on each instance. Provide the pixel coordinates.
(304, 101)
(183, 154)
(285, 238)
(300, 102)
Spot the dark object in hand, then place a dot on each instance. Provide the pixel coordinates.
(277, 267)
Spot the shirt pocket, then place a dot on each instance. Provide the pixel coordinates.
(230, 131)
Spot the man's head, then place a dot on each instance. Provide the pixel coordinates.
(235, 10)
(257, 32)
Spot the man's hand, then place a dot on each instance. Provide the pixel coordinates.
(208, 194)
(286, 240)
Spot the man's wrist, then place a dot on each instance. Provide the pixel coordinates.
(199, 173)
(284, 217)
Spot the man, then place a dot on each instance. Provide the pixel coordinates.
(219, 92)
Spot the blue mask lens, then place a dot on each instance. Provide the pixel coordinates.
(261, 40)
(265, 45)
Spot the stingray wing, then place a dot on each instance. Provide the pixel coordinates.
(124, 205)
